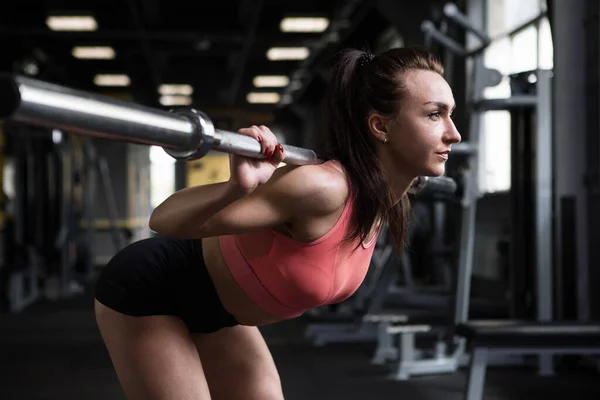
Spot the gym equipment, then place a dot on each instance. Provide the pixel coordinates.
(507, 337)
(24, 260)
(184, 134)
(47, 240)
(438, 184)
(540, 104)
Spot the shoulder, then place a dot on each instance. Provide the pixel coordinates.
(317, 189)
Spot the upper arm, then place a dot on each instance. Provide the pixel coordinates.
(308, 191)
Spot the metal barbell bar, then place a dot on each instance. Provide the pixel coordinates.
(185, 134)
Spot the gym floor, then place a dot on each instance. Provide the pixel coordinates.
(54, 352)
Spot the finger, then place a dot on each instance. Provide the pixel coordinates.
(278, 155)
(269, 138)
(260, 136)
(252, 131)
(256, 133)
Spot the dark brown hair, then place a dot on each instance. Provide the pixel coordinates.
(360, 84)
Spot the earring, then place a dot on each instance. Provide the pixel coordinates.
(385, 140)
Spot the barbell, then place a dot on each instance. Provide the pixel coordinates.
(184, 134)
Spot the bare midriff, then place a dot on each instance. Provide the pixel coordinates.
(233, 297)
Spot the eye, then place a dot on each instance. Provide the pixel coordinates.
(434, 115)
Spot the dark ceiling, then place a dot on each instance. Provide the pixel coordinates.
(216, 46)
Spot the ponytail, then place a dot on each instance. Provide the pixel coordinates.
(346, 111)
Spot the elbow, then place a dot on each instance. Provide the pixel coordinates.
(157, 222)
(168, 225)
(153, 225)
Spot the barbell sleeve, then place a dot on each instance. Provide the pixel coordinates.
(44, 104)
(184, 134)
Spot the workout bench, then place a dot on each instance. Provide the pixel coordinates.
(522, 337)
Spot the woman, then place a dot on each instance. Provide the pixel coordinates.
(179, 312)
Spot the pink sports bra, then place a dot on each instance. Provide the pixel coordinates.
(286, 277)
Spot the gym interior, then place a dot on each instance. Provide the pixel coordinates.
(494, 296)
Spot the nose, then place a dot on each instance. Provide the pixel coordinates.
(452, 135)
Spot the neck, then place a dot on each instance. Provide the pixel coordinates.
(398, 179)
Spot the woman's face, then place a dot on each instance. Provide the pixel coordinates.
(422, 133)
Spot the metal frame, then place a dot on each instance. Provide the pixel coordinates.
(412, 361)
(98, 171)
(544, 207)
(574, 119)
(542, 103)
(65, 234)
(89, 199)
(480, 355)
(23, 289)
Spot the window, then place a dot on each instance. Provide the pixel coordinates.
(529, 49)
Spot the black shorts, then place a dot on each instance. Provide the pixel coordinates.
(162, 276)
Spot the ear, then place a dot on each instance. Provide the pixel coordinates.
(378, 127)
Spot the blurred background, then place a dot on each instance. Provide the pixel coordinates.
(521, 229)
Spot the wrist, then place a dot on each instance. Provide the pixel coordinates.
(237, 190)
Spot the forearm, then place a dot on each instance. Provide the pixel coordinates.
(183, 214)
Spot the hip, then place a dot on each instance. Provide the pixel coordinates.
(162, 276)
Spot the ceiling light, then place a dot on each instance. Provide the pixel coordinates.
(287, 53)
(271, 81)
(174, 89)
(111, 80)
(99, 53)
(262, 98)
(177, 100)
(72, 23)
(304, 24)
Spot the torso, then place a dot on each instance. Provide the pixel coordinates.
(233, 297)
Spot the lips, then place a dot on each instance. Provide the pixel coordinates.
(443, 154)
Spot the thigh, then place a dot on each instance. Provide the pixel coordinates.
(154, 356)
(238, 365)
